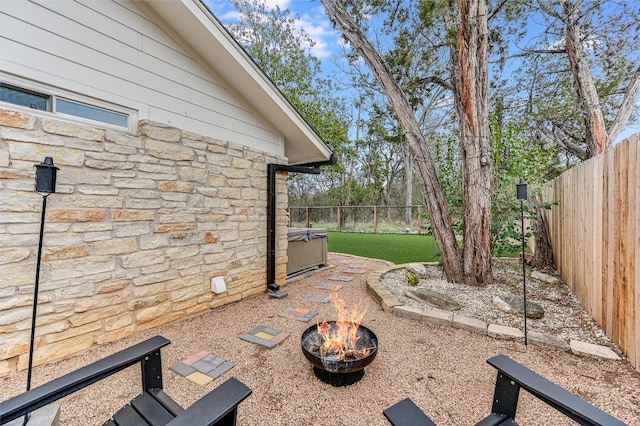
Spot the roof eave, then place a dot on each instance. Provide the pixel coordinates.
(194, 23)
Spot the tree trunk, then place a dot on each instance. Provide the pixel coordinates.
(436, 203)
(597, 137)
(469, 63)
(408, 179)
(543, 255)
(626, 108)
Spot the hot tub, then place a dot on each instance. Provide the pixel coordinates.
(307, 249)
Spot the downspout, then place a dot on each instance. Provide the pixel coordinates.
(309, 168)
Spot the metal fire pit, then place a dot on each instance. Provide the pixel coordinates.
(332, 370)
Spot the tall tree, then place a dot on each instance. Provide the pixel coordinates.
(573, 78)
(582, 71)
(282, 50)
(469, 58)
(469, 77)
(436, 204)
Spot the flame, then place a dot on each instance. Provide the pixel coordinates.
(340, 341)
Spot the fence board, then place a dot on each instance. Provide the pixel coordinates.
(636, 141)
(632, 221)
(610, 225)
(578, 218)
(595, 235)
(620, 210)
(597, 238)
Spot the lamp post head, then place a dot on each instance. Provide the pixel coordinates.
(522, 190)
(46, 176)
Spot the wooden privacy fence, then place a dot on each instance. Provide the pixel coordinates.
(595, 235)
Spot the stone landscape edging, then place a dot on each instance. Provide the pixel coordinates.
(391, 304)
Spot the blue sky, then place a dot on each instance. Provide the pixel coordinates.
(311, 18)
(327, 48)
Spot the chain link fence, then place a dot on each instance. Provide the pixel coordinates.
(365, 219)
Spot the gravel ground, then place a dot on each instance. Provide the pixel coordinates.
(443, 370)
(564, 316)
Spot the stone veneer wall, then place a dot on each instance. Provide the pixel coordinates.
(138, 227)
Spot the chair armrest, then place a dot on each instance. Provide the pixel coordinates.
(557, 397)
(215, 405)
(407, 413)
(79, 379)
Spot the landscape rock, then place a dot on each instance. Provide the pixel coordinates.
(598, 351)
(418, 269)
(503, 332)
(549, 279)
(471, 324)
(433, 298)
(515, 305)
(553, 342)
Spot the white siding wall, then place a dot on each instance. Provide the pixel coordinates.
(111, 50)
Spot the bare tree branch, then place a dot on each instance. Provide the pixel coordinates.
(570, 147)
(496, 9)
(567, 131)
(597, 137)
(626, 108)
(435, 80)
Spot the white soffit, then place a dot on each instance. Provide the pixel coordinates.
(193, 22)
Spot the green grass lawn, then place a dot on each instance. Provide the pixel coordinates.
(396, 248)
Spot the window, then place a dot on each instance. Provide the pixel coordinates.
(58, 105)
(78, 109)
(26, 98)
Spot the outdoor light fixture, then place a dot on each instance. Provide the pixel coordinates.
(521, 189)
(45, 184)
(46, 176)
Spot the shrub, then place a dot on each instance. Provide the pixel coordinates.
(412, 279)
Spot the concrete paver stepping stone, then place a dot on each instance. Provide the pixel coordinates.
(195, 357)
(202, 367)
(329, 286)
(182, 369)
(199, 378)
(316, 298)
(341, 278)
(265, 336)
(298, 314)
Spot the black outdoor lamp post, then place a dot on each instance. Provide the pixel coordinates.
(45, 184)
(521, 188)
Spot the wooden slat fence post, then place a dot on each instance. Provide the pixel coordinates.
(375, 220)
(595, 236)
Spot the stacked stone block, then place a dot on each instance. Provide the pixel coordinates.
(138, 227)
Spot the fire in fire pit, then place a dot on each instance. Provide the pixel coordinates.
(339, 350)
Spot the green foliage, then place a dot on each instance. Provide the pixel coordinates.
(541, 85)
(514, 157)
(430, 10)
(281, 50)
(412, 279)
(446, 155)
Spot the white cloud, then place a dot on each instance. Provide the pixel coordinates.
(312, 20)
(283, 4)
(589, 44)
(319, 34)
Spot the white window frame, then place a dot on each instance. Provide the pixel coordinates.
(54, 94)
